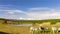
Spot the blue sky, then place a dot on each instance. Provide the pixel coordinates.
(30, 9)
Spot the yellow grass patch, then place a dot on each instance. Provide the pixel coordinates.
(14, 29)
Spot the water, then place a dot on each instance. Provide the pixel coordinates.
(22, 25)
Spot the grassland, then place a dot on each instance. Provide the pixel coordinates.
(22, 30)
(6, 27)
(14, 29)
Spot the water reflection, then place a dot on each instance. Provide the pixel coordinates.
(22, 25)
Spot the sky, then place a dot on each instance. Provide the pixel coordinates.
(30, 9)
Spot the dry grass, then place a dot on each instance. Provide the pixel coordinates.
(14, 29)
(19, 29)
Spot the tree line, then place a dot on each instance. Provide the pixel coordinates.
(11, 21)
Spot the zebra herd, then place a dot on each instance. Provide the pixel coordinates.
(38, 28)
(44, 29)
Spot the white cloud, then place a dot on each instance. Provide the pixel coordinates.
(39, 8)
(13, 11)
(36, 13)
(48, 14)
(21, 18)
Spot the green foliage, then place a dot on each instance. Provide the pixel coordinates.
(11, 21)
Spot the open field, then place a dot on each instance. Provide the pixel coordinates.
(14, 29)
(5, 26)
(23, 30)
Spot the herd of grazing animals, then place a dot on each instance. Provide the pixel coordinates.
(44, 29)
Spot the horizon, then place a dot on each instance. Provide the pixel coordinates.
(30, 9)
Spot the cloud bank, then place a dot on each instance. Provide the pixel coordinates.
(44, 13)
(34, 13)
